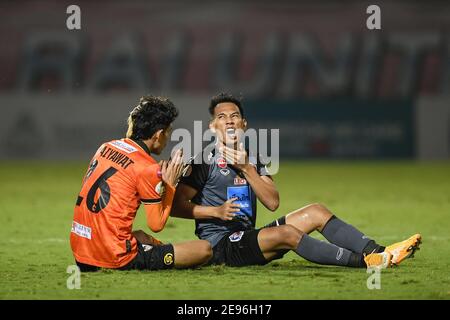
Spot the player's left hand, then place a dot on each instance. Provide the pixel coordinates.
(172, 170)
(236, 158)
(145, 238)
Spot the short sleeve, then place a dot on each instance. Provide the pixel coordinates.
(197, 177)
(149, 185)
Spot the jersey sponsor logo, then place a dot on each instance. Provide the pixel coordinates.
(81, 230)
(237, 236)
(122, 145)
(239, 181)
(242, 195)
(221, 163)
(225, 172)
(168, 259)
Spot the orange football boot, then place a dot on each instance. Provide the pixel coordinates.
(404, 249)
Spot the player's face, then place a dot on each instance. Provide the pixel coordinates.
(228, 117)
(162, 140)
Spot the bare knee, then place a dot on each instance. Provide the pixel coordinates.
(205, 250)
(320, 214)
(309, 218)
(317, 207)
(291, 236)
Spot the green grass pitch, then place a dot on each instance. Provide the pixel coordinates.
(389, 201)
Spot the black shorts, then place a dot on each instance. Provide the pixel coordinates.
(241, 248)
(147, 258)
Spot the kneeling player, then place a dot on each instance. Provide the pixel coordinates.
(221, 195)
(121, 176)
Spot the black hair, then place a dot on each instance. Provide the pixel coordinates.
(150, 115)
(225, 97)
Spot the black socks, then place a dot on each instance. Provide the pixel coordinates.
(322, 252)
(346, 236)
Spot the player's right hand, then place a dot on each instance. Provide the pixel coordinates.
(228, 210)
(172, 170)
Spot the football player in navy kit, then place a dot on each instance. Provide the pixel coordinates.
(221, 195)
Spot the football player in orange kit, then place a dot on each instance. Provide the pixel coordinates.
(122, 175)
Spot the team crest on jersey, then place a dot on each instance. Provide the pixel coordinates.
(239, 181)
(235, 237)
(221, 163)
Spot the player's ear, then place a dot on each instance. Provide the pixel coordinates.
(212, 126)
(245, 124)
(159, 134)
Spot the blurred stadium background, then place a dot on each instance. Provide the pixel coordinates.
(334, 88)
(312, 69)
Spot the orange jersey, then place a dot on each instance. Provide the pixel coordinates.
(121, 176)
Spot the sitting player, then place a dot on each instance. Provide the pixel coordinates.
(121, 176)
(209, 193)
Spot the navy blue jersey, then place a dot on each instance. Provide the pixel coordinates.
(216, 182)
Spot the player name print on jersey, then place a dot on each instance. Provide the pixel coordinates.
(116, 157)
